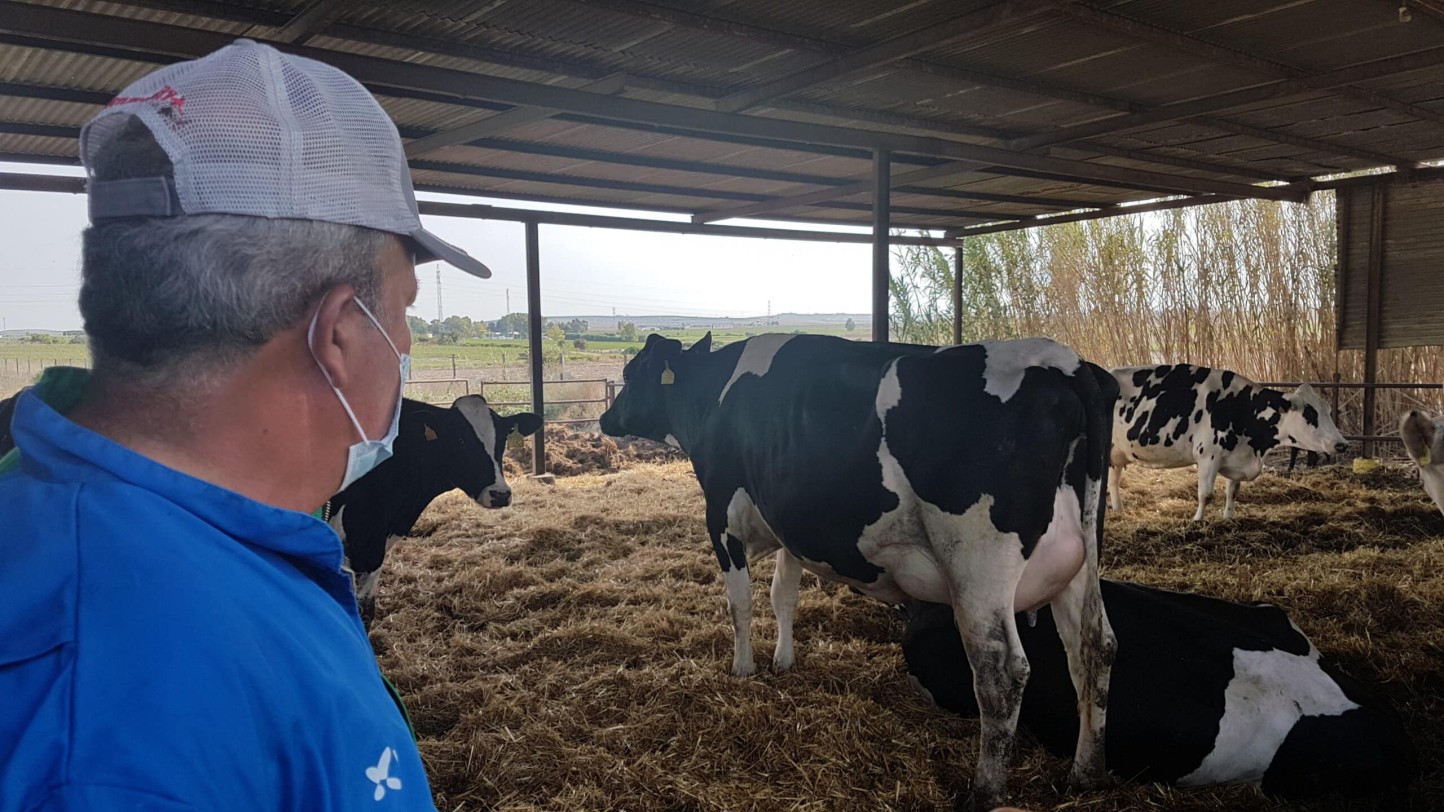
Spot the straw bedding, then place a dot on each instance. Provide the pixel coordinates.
(573, 651)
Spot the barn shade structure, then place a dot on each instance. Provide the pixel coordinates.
(943, 118)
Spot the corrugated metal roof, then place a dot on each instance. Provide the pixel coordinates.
(1034, 76)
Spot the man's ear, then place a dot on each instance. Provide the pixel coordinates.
(333, 334)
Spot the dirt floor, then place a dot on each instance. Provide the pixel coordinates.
(573, 651)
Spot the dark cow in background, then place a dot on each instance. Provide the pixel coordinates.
(7, 412)
(970, 475)
(1423, 437)
(1180, 415)
(1205, 691)
(437, 449)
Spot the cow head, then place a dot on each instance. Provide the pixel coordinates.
(468, 441)
(1309, 424)
(1423, 438)
(640, 409)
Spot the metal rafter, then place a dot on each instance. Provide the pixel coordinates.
(1224, 101)
(509, 120)
(310, 21)
(959, 29)
(1162, 36)
(185, 42)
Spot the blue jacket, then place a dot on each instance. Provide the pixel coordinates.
(166, 644)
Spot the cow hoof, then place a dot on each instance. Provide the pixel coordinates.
(1087, 780)
(744, 669)
(981, 802)
(781, 664)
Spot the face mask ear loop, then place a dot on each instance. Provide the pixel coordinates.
(311, 345)
(384, 334)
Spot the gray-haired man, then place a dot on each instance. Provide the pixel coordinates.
(177, 630)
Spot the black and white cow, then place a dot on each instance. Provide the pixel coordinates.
(1206, 691)
(1423, 437)
(437, 449)
(970, 475)
(1180, 415)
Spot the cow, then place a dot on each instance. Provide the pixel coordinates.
(1206, 692)
(7, 411)
(438, 448)
(970, 475)
(1423, 437)
(1178, 415)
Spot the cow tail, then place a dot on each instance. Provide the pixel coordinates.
(1098, 390)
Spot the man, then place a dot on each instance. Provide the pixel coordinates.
(176, 630)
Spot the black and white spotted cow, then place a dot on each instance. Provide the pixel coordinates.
(970, 475)
(1180, 415)
(437, 449)
(1206, 691)
(1423, 437)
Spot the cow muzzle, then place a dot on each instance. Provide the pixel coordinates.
(1340, 448)
(495, 498)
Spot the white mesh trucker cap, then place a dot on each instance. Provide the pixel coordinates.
(253, 131)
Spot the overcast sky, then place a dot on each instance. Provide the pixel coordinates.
(585, 271)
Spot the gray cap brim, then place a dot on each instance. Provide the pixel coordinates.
(433, 247)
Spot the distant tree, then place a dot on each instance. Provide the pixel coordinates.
(556, 333)
(850, 325)
(579, 343)
(575, 328)
(628, 330)
(419, 327)
(512, 323)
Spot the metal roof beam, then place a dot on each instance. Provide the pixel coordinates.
(1161, 36)
(1224, 101)
(509, 120)
(1107, 211)
(310, 21)
(968, 26)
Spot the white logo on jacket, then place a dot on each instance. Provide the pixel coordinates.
(380, 775)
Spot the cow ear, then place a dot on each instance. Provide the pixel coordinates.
(652, 338)
(1417, 432)
(703, 345)
(1305, 392)
(526, 423)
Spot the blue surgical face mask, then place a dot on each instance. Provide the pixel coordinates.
(364, 456)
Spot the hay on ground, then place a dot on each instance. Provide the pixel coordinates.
(573, 651)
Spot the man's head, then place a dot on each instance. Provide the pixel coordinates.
(251, 211)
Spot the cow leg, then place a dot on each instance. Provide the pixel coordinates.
(1115, 487)
(785, 582)
(983, 568)
(1088, 638)
(1207, 473)
(732, 555)
(1230, 491)
(366, 583)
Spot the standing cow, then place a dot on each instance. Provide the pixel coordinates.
(437, 449)
(1208, 692)
(971, 476)
(1180, 415)
(1423, 438)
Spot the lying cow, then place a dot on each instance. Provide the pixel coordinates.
(970, 475)
(1205, 692)
(1423, 438)
(437, 449)
(1181, 415)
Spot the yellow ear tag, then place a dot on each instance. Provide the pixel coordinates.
(430, 435)
(668, 376)
(1424, 460)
